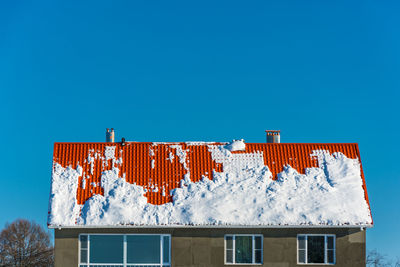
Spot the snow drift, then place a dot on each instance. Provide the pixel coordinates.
(243, 194)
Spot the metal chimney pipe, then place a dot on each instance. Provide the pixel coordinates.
(273, 136)
(110, 135)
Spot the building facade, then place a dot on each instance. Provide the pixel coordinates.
(201, 247)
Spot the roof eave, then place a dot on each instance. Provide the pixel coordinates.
(207, 226)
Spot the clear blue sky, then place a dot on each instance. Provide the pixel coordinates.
(208, 70)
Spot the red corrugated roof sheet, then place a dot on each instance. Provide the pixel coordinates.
(150, 164)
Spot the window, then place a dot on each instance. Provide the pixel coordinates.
(103, 250)
(316, 249)
(243, 249)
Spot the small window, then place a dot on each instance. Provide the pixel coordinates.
(84, 248)
(316, 249)
(243, 249)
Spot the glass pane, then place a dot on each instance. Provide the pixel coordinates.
(106, 248)
(257, 241)
(229, 242)
(83, 239)
(166, 249)
(330, 256)
(258, 256)
(302, 256)
(330, 242)
(229, 256)
(83, 256)
(315, 249)
(244, 248)
(302, 241)
(143, 248)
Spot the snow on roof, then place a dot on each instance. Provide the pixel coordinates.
(207, 184)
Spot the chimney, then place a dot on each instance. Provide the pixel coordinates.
(110, 135)
(273, 136)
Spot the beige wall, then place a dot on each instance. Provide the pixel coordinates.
(204, 247)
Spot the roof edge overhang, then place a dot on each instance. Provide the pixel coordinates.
(203, 143)
(206, 226)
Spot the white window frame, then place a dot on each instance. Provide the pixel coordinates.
(124, 262)
(253, 249)
(325, 249)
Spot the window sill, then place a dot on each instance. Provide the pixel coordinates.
(316, 264)
(257, 264)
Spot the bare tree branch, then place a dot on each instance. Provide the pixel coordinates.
(397, 263)
(375, 259)
(25, 244)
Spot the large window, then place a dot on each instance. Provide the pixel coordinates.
(243, 249)
(317, 249)
(104, 250)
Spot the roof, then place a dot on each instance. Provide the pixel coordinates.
(93, 182)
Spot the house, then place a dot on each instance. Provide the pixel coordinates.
(134, 204)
